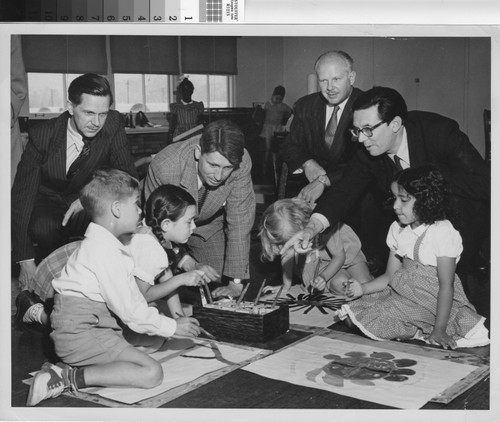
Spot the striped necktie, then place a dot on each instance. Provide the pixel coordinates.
(332, 127)
(202, 196)
(82, 157)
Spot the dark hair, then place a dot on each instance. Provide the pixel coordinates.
(279, 90)
(166, 201)
(226, 138)
(430, 190)
(389, 103)
(106, 184)
(186, 84)
(335, 54)
(91, 84)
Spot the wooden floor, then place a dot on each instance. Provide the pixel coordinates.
(241, 389)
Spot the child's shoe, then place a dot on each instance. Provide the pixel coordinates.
(50, 381)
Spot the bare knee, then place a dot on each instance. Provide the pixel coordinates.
(152, 375)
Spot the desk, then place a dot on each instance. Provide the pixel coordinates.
(147, 140)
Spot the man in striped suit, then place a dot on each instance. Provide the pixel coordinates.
(59, 158)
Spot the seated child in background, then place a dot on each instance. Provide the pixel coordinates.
(334, 263)
(419, 296)
(96, 287)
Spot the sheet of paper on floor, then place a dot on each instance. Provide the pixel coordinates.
(184, 361)
(293, 364)
(313, 318)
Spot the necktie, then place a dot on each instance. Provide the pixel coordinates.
(202, 196)
(82, 157)
(332, 127)
(397, 162)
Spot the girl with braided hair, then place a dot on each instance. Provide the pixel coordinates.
(169, 217)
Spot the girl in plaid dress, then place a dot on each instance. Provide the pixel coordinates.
(336, 259)
(419, 296)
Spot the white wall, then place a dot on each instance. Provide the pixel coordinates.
(450, 76)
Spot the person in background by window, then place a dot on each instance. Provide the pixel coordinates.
(59, 158)
(186, 112)
(277, 114)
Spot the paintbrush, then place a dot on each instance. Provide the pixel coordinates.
(202, 294)
(316, 272)
(277, 296)
(260, 292)
(240, 297)
(201, 328)
(209, 295)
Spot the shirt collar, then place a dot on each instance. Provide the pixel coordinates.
(74, 138)
(403, 152)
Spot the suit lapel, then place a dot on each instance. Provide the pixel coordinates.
(416, 145)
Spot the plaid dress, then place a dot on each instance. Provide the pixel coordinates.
(406, 308)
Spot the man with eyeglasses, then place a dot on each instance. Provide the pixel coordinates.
(394, 139)
(319, 144)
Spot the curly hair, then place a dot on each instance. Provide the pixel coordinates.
(280, 222)
(430, 190)
(166, 201)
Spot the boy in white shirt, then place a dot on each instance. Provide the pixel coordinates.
(97, 284)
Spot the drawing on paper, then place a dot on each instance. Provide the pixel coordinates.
(361, 368)
(308, 301)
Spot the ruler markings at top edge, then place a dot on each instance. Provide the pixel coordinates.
(167, 11)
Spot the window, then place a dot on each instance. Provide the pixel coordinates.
(48, 92)
(213, 90)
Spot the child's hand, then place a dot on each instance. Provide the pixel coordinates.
(440, 338)
(353, 289)
(319, 283)
(273, 290)
(193, 278)
(187, 326)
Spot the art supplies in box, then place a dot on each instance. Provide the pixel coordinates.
(229, 320)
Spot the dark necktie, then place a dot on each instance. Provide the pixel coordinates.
(82, 157)
(202, 196)
(397, 162)
(332, 127)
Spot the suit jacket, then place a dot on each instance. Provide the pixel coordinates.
(432, 139)
(42, 170)
(307, 136)
(230, 207)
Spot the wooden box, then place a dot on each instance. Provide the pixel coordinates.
(228, 321)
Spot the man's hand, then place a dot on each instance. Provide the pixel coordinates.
(311, 192)
(312, 170)
(232, 289)
(301, 242)
(73, 209)
(209, 272)
(187, 326)
(26, 273)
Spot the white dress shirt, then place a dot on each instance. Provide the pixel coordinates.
(102, 270)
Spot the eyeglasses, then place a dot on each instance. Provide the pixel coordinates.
(367, 130)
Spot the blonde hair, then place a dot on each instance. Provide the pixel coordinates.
(280, 222)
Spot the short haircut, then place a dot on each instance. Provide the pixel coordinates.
(389, 102)
(166, 201)
(335, 54)
(107, 185)
(280, 221)
(90, 84)
(430, 190)
(226, 138)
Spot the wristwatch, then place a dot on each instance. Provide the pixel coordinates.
(323, 179)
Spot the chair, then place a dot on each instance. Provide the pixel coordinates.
(487, 134)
